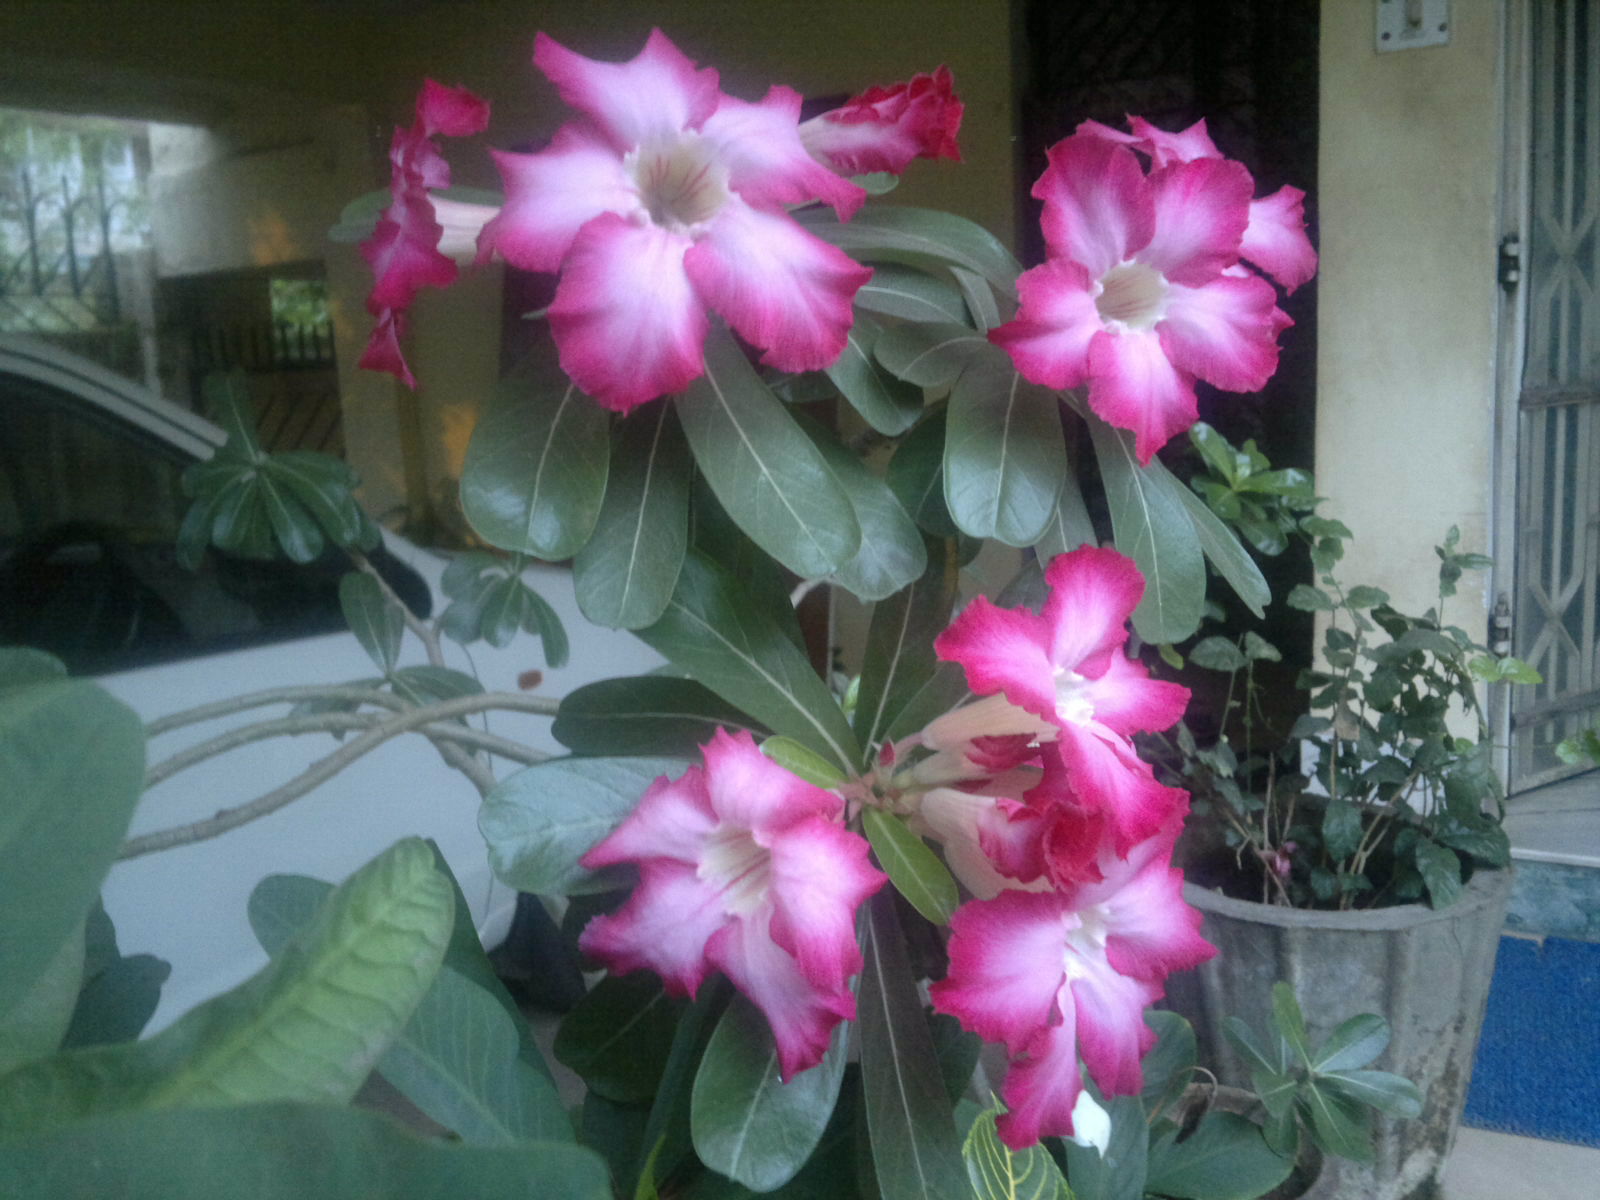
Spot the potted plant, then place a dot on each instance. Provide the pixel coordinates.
(1360, 857)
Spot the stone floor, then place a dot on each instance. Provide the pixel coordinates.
(1498, 1166)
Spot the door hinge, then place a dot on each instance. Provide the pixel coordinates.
(1508, 269)
(1500, 627)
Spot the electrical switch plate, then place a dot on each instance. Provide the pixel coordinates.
(1412, 24)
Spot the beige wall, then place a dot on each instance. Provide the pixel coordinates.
(1409, 173)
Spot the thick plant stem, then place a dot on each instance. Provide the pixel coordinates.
(352, 693)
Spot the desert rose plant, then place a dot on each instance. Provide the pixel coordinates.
(816, 894)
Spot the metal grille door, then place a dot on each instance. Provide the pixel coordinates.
(1558, 502)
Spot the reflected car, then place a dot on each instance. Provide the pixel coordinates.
(90, 505)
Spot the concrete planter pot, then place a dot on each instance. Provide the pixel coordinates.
(1426, 971)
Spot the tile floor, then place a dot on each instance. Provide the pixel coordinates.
(1499, 1166)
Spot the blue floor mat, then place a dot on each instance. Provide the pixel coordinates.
(1538, 1067)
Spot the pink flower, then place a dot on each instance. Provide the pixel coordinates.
(1275, 237)
(404, 250)
(883, 129)
(1065, 670)
(1061, 975)
(1142, 293)
(746, 869)
(666, 199)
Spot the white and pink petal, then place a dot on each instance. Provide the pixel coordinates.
(1003, 650)
(759, 145)
(1006, 966)
(1093, 593)
(1057, 318)
(820, 876)
(553, 194)
(1098, 210)
(664, 927)
(1202, 208)
(1276, 241)
(652, 96)
(1135, 386)
(1226, 332)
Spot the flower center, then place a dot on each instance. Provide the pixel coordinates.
(681, 183)
(1133, 297)
(1085, 939)
(739, 868)
(1072, 702)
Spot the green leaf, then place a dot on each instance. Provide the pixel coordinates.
(1151, 525)
(713, 631)
(1341, 828)
(624, 575)
(284, 1152)
(1119, 1173)
(1232, 561)
(891, 553)
(666, 1131)
(72, 759)
(1362, 596)
(535, 471)
(1355, 1043)
(428, 684)
(1004, 458)
(1441, 872)
(912, 295)
(914, 1148)
(916, 476)
(617, 1037)
(23, 666)
(1218, 654)
(1257, 648)
(375, 619)
(36, 1024)
(768, 476)
(888, 404)
(1169, 1064)
(541, 820)
(119, 994)
(921, 236)
(644, 714)
(980, 298)
(930, 356)
(294, 528)
(747, 1123)
(1386, 1092)
(309, 1026)
(461, 1058)
(957, 1052)
(916, 871)
(1290, 1022)
(1069, 526)
(903, 684)
(999, 1173)
(1225, 1158)
(1309, 599)
(1338, 1124)
(799, 760)
(1219, 456)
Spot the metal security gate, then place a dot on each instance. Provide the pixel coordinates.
(1557, 589)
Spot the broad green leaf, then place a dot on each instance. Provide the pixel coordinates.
(916, 871)
(1225, 1158)
(72, 759)
(1277, 1091)
(979, 295)
(1290, 1022)
(617, 1037)
(1004, 458)
(903, 684)
(1387, 1092)
(667, 1136)
(891, 553)
(1216, 451)
(38, 1021)
(376, 620)
(625, 573)
(1218, 654)
(1341, 828)
(1309, 599)
(644, 714)
(915, 1151)
(747, 1123)
(957, 1052)
(1169, 1064)
(1151, 525)
(294, 528)
(920, 236)
(1441, 872)
(1069, 526)
(930, 356)
(768, 476)
(22, 666)
(309, 1026)
(1119, 1173)
(888, 404)
(285, 1152)
(912, 295)
(616, 1132)
(1339, 1125)
(1232, 561)
(119, 993)
(1257, 1057)
(799, 760)
(713, 632)
(324, 485)
(535, 470)
(428, 684)
(999, 1173)
(541, 820)
(916, 476)
(1355, 1043)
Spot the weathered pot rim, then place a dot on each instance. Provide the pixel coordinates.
(1486, 887)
